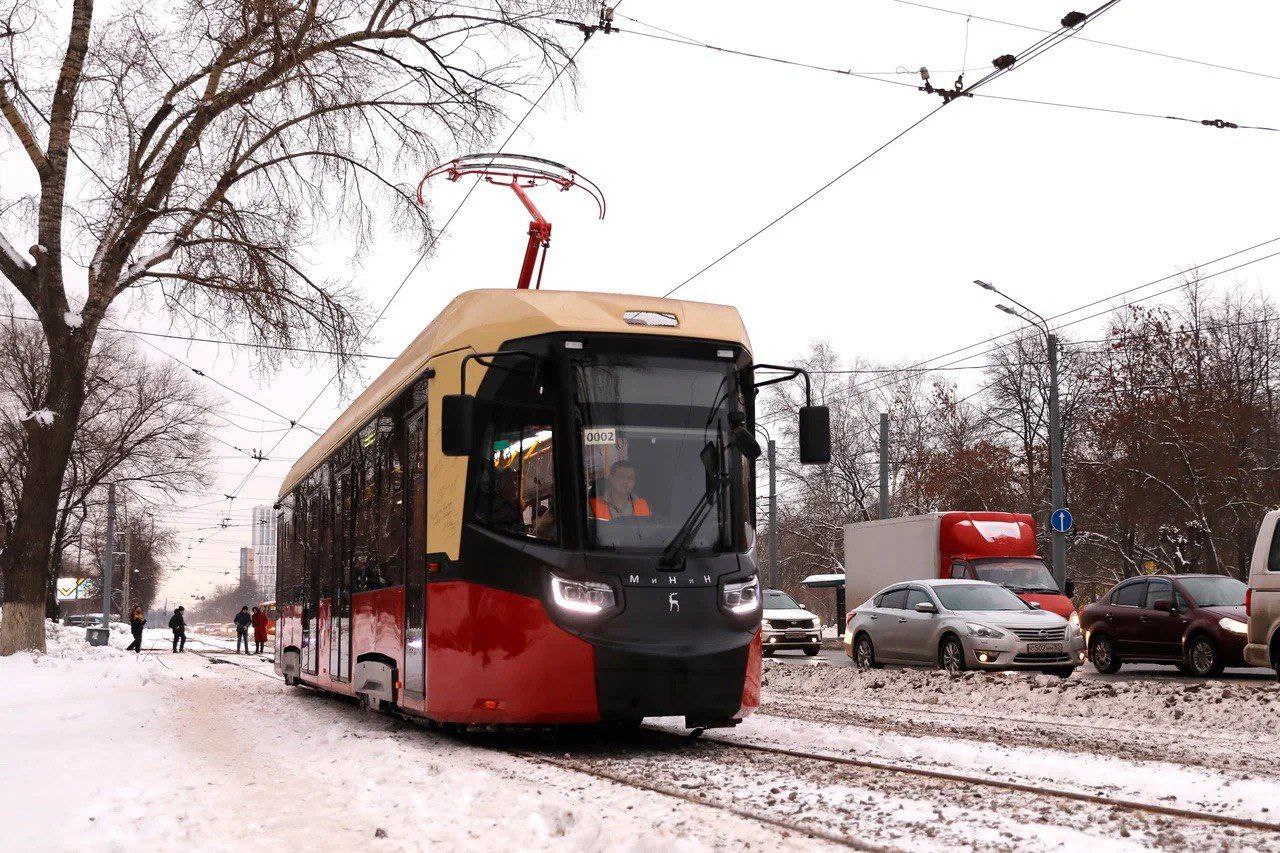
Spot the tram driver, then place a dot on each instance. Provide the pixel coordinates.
(616, 498)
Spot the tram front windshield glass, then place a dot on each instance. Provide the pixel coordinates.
(645, 420)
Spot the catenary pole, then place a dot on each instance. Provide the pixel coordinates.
(773, 515)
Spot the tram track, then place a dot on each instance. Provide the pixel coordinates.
(669, 791)
(1006, 785)
(644, 759)
(1243, 755)
(975, 715)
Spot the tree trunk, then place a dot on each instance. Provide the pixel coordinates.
(25, 561)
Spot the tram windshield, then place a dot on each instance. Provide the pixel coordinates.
(644, 422)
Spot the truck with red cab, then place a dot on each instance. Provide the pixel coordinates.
(999, 547)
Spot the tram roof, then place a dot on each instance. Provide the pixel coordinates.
(481, 320)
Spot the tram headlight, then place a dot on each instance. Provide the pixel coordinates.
(581, 596)
(741, 597)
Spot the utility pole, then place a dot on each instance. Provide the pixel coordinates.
(773, 515)
(884, 465)
(108, 557)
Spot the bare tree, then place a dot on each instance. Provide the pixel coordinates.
(144, 427)
(193, 155)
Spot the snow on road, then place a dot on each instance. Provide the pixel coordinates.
(109, 750)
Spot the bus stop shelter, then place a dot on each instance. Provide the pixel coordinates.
(832, 581)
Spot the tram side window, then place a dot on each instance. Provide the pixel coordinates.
(516, 483)
(390, 522)
(285, 580)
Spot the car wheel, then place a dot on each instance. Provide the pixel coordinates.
(811, 651)
(1103, 654)
(864, 653)
(951, 655)
(1203, 658)
(767, 652)
(1275, 660)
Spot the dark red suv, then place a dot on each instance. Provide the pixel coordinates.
(1195, 622)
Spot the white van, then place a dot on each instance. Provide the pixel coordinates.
(1262, 601)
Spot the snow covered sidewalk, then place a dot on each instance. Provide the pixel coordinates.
(109, 750)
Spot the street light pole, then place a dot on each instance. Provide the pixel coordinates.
(1057, 497)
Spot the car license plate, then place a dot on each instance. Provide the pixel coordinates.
(793, 635)
(1044, 648)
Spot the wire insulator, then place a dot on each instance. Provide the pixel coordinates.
(1003, 62)
(1219, 123)
(1074, 19)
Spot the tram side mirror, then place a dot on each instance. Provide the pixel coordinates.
(815, 435)
(744, 442)
(457, 422)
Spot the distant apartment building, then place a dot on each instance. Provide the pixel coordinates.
(246, 565)
(263, 546)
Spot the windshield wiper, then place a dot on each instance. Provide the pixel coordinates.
(673, 554)
(741, 440)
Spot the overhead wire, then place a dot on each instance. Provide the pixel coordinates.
(880, 382)
(1087, 40)
(1029, 54)
(879, 77)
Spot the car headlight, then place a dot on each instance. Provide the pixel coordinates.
(983, 631)
(1075, 619)
(741, 597)
(1235, 626)
(581, 596)
(813, 623)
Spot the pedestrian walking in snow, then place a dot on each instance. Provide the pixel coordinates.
(243, 621)
(259, 630)
(136, 621)
(179, 625)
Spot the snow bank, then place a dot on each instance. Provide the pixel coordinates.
(1218, 705)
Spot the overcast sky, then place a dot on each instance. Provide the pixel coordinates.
(697, 149)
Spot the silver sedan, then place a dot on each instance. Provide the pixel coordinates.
(958, 625)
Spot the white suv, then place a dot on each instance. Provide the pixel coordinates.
(787, 625)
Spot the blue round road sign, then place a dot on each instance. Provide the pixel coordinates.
(1061, 520)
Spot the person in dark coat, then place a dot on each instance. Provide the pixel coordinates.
(243, 620)
(259, 630)
(179, 625)
(136, 621)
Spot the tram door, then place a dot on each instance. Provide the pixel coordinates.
(343, 552)
(415, 587)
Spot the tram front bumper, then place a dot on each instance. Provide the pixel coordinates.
(704, 689)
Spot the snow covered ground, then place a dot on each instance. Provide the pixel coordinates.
(109, 750)
(105, 749)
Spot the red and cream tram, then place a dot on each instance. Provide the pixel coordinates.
(540, 513)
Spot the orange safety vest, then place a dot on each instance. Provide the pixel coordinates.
(600, 508)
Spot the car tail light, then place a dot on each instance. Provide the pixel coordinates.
(1248, 602)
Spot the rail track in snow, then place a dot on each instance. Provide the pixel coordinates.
(984, 781)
